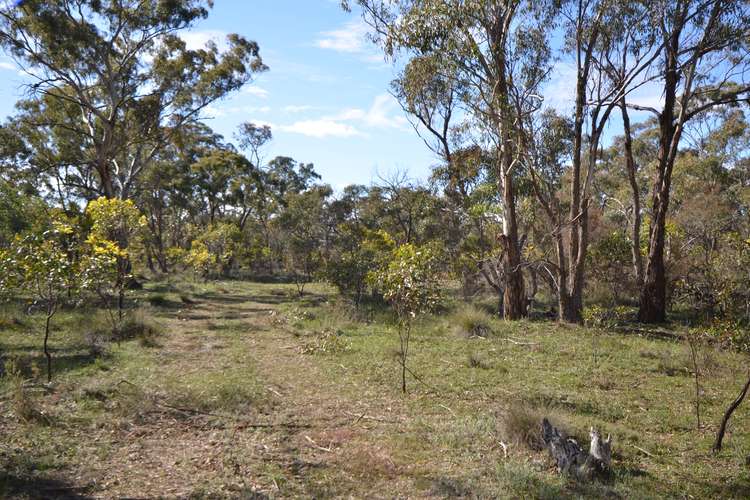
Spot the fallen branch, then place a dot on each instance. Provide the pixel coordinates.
(452, 412)
(369, 417)
(275, 392)
(518, 342)
(318, 447)
(643, 451)
(573, 460)
(418, 379)
(245, 422)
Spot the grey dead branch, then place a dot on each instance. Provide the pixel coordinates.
(571, 459)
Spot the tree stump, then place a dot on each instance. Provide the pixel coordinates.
(572, 459)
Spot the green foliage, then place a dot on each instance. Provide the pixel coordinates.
(730, 333)
(18, 212)
(358, 252)
(409, 280)
(94, 61)
(606, 317)
(114, 220)
(42, 264)
(302, 232)
(214, 251)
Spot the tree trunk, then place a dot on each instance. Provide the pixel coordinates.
(653, 293)
(635, 234)
(51, 309)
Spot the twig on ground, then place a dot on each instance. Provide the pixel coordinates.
(369, 417)
(518, 342)
(418, 379)
(318, 447)
(643, 451)
(275, 392)
(245, 422)
(452, 412)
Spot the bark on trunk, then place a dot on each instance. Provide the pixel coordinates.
(51, 309)
(653, 304)
(635, 232)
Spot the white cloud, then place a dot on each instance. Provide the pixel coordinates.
(213, 111)
(350, 38)
(8, 66)
(383, 113)
(649, 95)
(298, 109)
(255, 109)
(195, 40)
(256, 91)
(559, 92)
(262, 123)
(321, 128)
(218, 111)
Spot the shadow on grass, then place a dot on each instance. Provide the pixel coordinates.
(34, 488)
(22, 476)
(63, 359)
(306, 300)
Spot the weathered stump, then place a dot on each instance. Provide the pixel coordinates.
(572, 459)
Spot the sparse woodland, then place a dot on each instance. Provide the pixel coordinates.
(184, 316)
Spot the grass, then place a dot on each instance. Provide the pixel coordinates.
(473, 322)
(176, 415)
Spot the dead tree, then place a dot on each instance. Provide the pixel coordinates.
(728, 415)
(572, 459)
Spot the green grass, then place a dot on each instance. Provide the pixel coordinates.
(639, 390)
(237, 353)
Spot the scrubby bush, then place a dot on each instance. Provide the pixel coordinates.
(44, 265)
(473, 322)
(409, 282)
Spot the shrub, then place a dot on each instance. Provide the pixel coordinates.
(522, 425)
(23, 405)
(476, 360)
(409, 282)
(473, 322)
(730, 334)
(146, 332)
(158, 300)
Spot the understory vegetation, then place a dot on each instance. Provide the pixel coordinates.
(249, 388)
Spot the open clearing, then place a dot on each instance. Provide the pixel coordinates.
(250, 391)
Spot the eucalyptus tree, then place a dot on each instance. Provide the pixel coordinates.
(704, 63)
(612, 57)
(493, 54)
(112, 81)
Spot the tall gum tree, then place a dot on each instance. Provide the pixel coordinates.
(493, 53)
(611, 58)
(703, 64)
(112, 81)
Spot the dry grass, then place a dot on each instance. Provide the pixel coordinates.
(521, 425)
(471, 321)
(179, 419)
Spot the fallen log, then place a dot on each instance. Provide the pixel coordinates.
(572, 459)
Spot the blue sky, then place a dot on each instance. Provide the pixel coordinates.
(325, 94)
